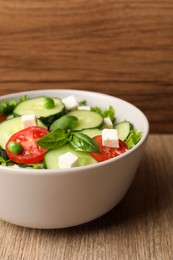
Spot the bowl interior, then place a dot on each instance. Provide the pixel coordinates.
(123, 109)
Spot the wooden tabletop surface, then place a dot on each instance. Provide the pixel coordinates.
(123, 48)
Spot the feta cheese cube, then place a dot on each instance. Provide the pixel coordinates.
(68, 160)
(107, 122)
(110, 138)
(70, 102)
(84, 108)
(29, 120)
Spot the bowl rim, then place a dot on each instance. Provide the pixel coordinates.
(28, 171)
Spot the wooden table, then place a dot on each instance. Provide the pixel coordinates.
(123, 48)
(140, 227)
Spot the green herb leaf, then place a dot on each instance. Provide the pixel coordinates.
(32, 166)
(4, 160)
(82, 102)
(108, 112)
(7, 107)
(3, 154)
(23, 98)
(64, 122)
(82, 142)
(59, 137)
(133, 138)
(55, 139)
(97, 110)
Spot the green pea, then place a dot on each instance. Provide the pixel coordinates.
(48, 102)
(15, 147)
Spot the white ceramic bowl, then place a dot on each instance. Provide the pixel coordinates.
(64, 198)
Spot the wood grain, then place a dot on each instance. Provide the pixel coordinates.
(140, 227)
(123, 48)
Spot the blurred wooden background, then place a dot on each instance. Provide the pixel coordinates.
(123, 48)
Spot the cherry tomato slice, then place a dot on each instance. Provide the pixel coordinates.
(2, 118)
(31, 151)
(107, 153)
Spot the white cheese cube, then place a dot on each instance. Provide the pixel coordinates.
(84, 108)
(110, 138)
(29, 120)
(68, 160)
(70, 102)
(107, 122)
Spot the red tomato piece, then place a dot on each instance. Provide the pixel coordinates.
(107, 153)
(31, 151)
(2, 118)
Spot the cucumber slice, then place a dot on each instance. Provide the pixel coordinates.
(123, 129)
(39, 107)
(86, 119)
(10, 127)
(51, 157)
(92, 132)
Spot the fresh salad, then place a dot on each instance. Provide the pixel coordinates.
(53, 133)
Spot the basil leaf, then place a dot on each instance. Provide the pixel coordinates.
(82, 142)
(64, 122)
(55, 139)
